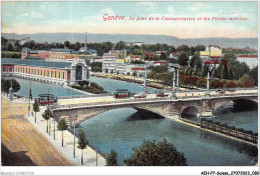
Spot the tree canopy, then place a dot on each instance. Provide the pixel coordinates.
(6, 84)
(150, 153)
(112, 159)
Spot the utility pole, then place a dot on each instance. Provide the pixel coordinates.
(145, 89)
(173, 85)
(49, 113)
(53, 128)
(178, 76)
(75, 116)
(30, 95)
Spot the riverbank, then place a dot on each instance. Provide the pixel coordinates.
(198, 126)
(150, 82)
(91, 157)
(23, 144)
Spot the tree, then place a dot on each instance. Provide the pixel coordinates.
(156, 154)
(61, 127)
(36, 108)
(112, 159)
(120, 45)
(254, 74)
(46, 116)
(134, 74)
(67, 44)
(82, 143)
(183, 59)
(77, 46)
(10, 47)
(224, 73)
(6, 84)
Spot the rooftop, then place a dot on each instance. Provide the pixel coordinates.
(36, 63)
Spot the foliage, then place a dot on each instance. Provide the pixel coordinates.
(62, 125)
(6, 84)
(156, 154)
(254, 74)
(82, 142)
(10, 54)
(92, 88)
(36, 107)
(96, 66)
(137, 62)
(183, 59)
(45, 115)
(112, 159)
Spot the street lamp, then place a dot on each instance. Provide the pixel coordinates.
(53, 127)
(30, 96)
(75, 116)
(49, 113)
(11, 91)
(145, 89)
(208, 78)
(178, 76)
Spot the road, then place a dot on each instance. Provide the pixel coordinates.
(23, 144)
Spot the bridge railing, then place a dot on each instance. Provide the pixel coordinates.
(109, 102)
(147, 100)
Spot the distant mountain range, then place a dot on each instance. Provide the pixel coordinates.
(149, 39)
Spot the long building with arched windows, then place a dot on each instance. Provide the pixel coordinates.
(62, 73)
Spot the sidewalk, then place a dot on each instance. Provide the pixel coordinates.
(89, 155)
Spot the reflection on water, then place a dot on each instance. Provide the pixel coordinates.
(123, 129)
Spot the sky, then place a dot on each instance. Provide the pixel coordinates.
(80, 17)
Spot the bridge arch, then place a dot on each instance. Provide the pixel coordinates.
(239, 104)
(190, 111)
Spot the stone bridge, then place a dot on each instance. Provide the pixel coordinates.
(166, 107)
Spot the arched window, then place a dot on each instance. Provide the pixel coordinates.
(10, 69)
(26, 70)
(4, 69)
(34, 72)
(47, 73)
(51, 74)
(55, 75)
(23, 70)
(41, 72)
(44, 73)
(59, 75)
(37, 71)
(63, 75)
(79, 72)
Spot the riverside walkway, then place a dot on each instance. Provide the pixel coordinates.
(38, 130)
(22, 143)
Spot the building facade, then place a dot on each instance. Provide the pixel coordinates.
(211, 51)
(62, 73)
(250, 60)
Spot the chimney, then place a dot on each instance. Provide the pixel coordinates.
(85, 43)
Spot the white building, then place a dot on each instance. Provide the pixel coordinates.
(173, 56)
(109, 63)
(250, 60)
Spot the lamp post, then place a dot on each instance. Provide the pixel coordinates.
(53, 128)
(11, 91)
(49, 113)
(75, 116)
(208, 79)
(173, 84)
(145, 89)
(178, 76)
(30, 96)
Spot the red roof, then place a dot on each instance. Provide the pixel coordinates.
(211, 62)
(136, 56)
(174, 53)
(137, 68)
(148, 54)
(252, 56)
(215, 57)
(160, 62)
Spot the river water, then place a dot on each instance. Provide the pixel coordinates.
(42, 88)
(123, 129)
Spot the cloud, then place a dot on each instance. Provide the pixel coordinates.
(148, 5)
(170, 9)
(198, 6)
